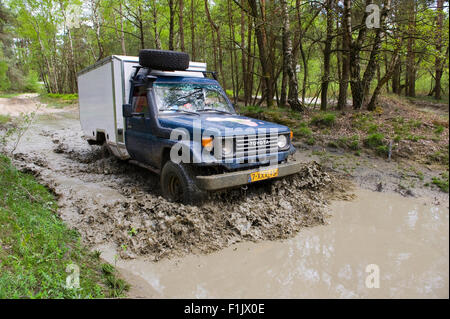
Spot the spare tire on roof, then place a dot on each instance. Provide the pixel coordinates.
(164, 60)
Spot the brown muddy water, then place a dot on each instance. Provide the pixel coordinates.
(408, 239)
(254, 243)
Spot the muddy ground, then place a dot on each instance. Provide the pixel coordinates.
(119, 206)
(112, 201)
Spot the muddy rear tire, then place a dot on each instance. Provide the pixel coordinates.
(178, 184)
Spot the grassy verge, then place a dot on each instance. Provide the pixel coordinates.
(36, 246)
(7, 95)
(4, 119)
(58, 100)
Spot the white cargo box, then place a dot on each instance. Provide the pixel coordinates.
(102, 90)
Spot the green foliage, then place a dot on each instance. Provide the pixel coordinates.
(310, 141)
(5, 83)
(31, 82)
(250, 110)
(374, 140)
(440, 157)
(303, 130)
(441, 182)
(4, 119)
(36, 246)
(382, 150)
(349, 142)
(438, 130)
(324, 119)
(64, 97)
(373, 128)
(58, 100)
(332, 144)
(362, 121)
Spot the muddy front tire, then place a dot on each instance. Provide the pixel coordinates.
(178, 184)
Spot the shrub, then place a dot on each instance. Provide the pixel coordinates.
(31, 82)
(382, 150)
(324, 119)
(303, 131)
(374, 140)
(5, 84)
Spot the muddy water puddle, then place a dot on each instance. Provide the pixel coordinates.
(407, 239)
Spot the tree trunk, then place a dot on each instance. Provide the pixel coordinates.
(258, 13)
(216, 29)
(327, 55)
(288, 60)
(355, 59)
(155, 26)
(181, 25)
(371, 68)
(343, 84)
(171, 25)
(122, 34)
(410, 56)
(193, 53)
(438, 61)
(395, 60)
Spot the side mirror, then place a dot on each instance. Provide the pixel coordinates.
(127, 110)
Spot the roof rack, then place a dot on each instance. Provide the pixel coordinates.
(205, 73)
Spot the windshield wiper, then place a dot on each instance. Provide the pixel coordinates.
(178, 110)
(196, 90)
(215, 110)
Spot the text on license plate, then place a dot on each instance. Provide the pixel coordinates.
(261, 175)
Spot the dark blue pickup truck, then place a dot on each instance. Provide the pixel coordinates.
(177, 121)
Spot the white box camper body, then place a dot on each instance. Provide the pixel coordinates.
(102, 90)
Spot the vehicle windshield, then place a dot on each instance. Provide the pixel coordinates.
(192, 98)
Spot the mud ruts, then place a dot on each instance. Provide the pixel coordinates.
(111, 201)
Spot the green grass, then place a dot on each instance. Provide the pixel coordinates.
(251, 109)
(324, 119)
(9, 95)
(374, 140)
(441, 182)
(438, 130)
(441, 157)
(303, 130)
(426, 98)
(58, 100)
(36, 246)
(4, 119)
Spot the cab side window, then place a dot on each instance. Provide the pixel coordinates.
(140, 103)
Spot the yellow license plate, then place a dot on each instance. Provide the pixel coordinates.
(262, 175)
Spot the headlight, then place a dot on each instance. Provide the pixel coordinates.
(282, 141)
(227, 147)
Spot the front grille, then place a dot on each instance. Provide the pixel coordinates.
(260, 144)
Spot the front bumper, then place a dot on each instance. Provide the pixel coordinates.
(233, 179)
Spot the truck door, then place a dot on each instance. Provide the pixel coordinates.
(138, 137)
